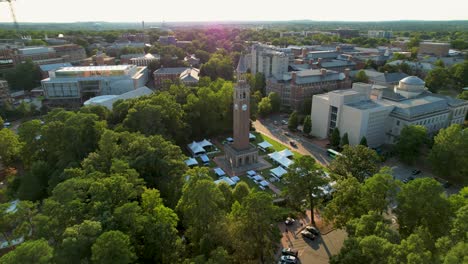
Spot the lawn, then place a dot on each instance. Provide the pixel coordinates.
(277, 146)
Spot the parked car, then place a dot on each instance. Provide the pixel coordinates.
(275, 122)
(6, 124)
(444, 183)
(313, 230)
(416, 172)
(293, 143)
(289, 251)
(307, 234)
(289, 221)
(410, 178)
(288, 259)
(284, 122)
(287, 134)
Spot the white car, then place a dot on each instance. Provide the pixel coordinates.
(288, 259)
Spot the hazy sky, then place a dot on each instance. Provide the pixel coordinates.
(212, 10)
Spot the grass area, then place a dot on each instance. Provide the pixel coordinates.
(277, 146)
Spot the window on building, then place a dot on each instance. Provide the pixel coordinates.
(398, 122)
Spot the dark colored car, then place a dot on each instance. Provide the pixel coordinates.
(293, 144)
(415, 172)
(313, 230)
(287, 134)
(308, 235)
(289, 221)
(289, 251)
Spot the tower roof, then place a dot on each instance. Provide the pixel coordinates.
(241, 67)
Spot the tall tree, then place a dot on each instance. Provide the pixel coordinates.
(335, 137)
(449, 154)
(260, 83)
(34, 251)
(25, 76)
(304, 179)
(437, 79)
(363, 141)
(10, 146)
(113, 247)
(293, 121)
(307, 126)
(252, 228)
(356, 161)
(275, 100)
(361, 76)
(379, 191)
(422, 202)
(201, 202)
(264, 107)
(344, 139)
(346, 203)
(409, 143)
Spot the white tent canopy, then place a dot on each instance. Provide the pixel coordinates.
(205, 143)
(219, 172)
(286, 153)
(205, 158)
(251, 136)
(235, 179)
(265, 145)
(226, 180)
(191, 162)
(258, 178)
(282, 157)
(264, 183)
(196, 149)
(278, 171)
(251, 173)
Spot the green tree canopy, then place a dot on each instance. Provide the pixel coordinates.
(34, 251)
(10, 146)
(293, 121)
(307, 126)
(113, 247)
(448, 156)
(356, 161)
(264, 107)
(304, 179)
(409, 143)
(344, 139)
(275, 100)
(335, 137)
(361, 76)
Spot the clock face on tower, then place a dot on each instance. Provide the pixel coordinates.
(244, 107)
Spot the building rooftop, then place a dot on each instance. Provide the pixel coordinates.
(171, 70)
(54, 66)
(96, 68)
(364, 105)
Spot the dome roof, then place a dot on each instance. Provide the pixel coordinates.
(413, 80)
(411, 84)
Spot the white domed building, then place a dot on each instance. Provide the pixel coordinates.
(379, 113)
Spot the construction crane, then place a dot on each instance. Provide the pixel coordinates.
(12, 10)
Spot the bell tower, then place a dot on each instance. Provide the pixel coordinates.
(241, 155)
(241, 109)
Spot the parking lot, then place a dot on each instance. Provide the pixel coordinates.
(402, 171)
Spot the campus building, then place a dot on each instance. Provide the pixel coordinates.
(270, 60)
(434, 48)
(295, 87)
(379, 113)
(71, 86)
(186, 75)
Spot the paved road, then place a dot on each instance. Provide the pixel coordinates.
(304, 145)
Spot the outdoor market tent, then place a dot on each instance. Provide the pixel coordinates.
(205, 158)
(226, 180)
(278, 171)
(219, 172)
(265, 145)
(252, 136)
(258, 178)
(264, 183)
(235, 179)
(286, 153)
(191, 162)
(281, 157)
(196, 149)
(205, 143)
(251, 173)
